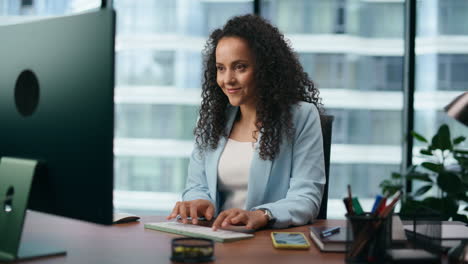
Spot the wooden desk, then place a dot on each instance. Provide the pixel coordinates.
(130, 244)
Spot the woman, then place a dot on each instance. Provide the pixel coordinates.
(258, 158)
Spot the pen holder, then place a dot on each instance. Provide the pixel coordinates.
(367, 238)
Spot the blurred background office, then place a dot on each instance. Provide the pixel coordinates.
(352, 49)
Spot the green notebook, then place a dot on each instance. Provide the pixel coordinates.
(198, 231)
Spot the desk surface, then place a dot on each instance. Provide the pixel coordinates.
(131, 243)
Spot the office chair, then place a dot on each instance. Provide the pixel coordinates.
(326, 121)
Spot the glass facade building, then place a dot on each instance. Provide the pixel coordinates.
(352, 49)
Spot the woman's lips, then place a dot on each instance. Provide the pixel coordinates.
(233, 90)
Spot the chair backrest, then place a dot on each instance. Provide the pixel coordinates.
(326, 121)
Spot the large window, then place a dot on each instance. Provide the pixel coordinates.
(441, 64)
(158, 73)
(353, 51)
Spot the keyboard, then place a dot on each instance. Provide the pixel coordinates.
(198, 231)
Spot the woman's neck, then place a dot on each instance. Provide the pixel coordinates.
(244, 129)
(248, 114)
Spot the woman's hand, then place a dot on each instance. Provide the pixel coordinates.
(251, 219)
(194, 209)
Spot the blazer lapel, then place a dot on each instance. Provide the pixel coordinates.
(258, 179)
(212, 157)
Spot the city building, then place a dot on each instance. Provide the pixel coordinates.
(352, 49)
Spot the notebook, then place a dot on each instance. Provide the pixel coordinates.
(198, 231)
(333, 243)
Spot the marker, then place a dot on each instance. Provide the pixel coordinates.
(330, 231)
(376, 203)
(357, 206)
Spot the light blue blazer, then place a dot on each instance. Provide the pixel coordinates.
(290, 186)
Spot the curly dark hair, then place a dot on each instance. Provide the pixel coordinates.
(280, 83)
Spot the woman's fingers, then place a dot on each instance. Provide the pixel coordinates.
(183, 212)
(209, 212)
(193, 213)
(192, 209)
(219, 220)
(227, 220)
(251, 223)
(233, 216)
(240, 218)
(174, 212)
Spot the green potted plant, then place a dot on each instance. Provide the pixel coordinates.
(445, 168)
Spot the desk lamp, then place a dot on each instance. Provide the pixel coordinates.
(458, 108)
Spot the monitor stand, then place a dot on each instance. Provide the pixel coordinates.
(16, 176)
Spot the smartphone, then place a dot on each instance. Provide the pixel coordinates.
(292, 240)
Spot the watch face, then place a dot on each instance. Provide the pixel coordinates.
(268, 214)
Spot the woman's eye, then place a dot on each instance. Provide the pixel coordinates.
(219, 68)
(240, 67)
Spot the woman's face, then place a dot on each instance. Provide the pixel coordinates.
(235, 70)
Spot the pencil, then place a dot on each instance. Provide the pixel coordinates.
(386, 211)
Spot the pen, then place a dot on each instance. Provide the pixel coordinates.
(330, 231)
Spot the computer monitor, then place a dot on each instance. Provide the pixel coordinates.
(57, 109)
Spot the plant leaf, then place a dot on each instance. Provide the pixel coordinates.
(419, 177)
(396, 176)
(459, 217)
(410, 207)
(390, 188)
(425, 152)
(447, 206)
(441, 140)
(450, 206)
(462, 197)
(464, 178)
(385, 183)
(435, 204)
(458, 140)
(419, 137)
(422, 190)
(432, 166)
(449, 182)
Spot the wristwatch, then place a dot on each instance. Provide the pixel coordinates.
(269, 215)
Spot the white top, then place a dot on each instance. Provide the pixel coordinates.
(233, 172)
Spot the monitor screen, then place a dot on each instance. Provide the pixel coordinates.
(57, 107)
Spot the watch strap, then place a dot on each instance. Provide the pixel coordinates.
(269, 215)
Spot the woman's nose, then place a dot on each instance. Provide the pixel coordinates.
(229, 77)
